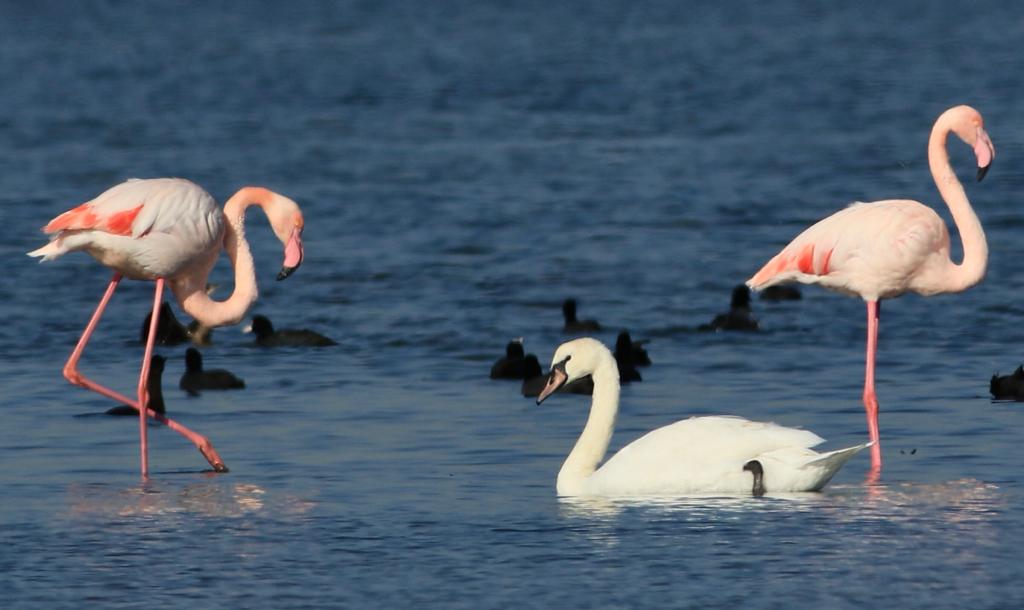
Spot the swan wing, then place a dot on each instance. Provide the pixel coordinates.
(800, 469)
(696, 455)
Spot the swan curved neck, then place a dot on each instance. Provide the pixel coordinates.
(191, 291)
(972, 269)
(597, 433)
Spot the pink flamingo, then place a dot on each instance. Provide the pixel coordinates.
(169, 229)
(883, 249)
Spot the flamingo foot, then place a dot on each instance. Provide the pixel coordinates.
(206, 448)
(200, 441)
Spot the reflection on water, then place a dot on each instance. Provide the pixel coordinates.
(964, 506)
(210, 498)
(964, 499)
(598, 507)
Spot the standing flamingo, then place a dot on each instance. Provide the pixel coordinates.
(169, 229)
(883, 249)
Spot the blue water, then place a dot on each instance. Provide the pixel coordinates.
(463, 167)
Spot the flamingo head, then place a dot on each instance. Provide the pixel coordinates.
(286, 220)
(970, 127)
(984, 151)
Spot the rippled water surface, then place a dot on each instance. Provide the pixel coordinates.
(463, 167)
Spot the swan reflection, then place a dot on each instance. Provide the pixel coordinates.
(963, 507)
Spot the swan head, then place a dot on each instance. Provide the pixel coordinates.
(968, 125)
(572, 360)
(287, 222)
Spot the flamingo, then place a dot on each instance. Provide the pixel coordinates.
(883, 249)
(170, 230)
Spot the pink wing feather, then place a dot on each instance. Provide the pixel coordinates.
(143, 228)
(809, 254)
(135, 207)
(87, 216)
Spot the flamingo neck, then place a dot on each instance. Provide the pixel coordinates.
(597, 433)
(191, 292)
(971, 270)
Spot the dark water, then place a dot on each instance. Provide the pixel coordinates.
(463, 167)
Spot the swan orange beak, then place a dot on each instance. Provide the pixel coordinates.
(556, 379)
(292, 254)
(984, 151)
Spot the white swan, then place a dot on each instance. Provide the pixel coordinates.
(693, 456)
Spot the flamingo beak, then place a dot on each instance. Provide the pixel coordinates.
(984, 151)
(293, 254)
(556, 379)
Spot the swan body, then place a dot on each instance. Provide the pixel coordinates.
(699, 455)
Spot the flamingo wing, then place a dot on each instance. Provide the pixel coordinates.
(136, 207)
(872, 250)
(143, 228)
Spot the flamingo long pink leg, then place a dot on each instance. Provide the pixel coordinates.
(72, 374)
(158, 295)
(870, 398)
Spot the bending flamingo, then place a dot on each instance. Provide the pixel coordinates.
(169, 229)
(885, 248)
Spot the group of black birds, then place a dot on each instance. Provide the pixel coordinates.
(517, 364)
(196, 379)
(629, 354)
